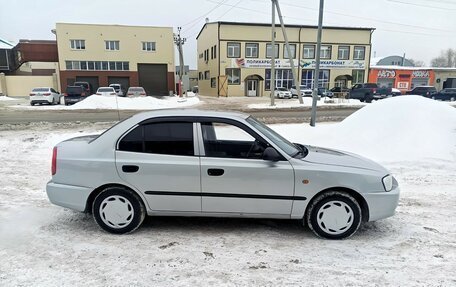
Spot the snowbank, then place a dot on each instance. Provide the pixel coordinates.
(399, 128)
(307, 102)
(5, 98)
(112, 103)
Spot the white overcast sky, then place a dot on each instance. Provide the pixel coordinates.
(419, 28)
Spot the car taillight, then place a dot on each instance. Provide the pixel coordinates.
(143, 94)
(32, 94)
(65, 94)
(99, 94)
(83, 94)
(54, 161)
(46, 94)
(130, 94)
(112, 94)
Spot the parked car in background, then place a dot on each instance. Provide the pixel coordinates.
(136, 92)
(323, 92)
(444, 95)
(106, 91)
(305, 92)
(340, 90)
(282, 93)
(120, 91)
(131, 171)
(367, 92)
(396, 92)
(74, 94)
(422, 91)
(44, 95)
(87, 87)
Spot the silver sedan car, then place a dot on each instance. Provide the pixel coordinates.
(205, 163)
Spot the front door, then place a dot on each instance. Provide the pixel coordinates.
(252, 88)
(158, 159)
(234, 177)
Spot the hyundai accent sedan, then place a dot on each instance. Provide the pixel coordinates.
(205, 163)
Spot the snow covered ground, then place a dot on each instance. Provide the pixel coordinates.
(5, 98)
(122, 103)
(307, 102)
(45, 245)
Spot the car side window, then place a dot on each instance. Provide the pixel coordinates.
(230, 141)
(171, 138)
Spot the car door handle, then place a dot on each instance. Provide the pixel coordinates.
(215, 171)
(130, 168)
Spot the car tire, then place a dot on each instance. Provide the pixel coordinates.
(118, 210)
(327, 207)
(32, 104)
(361, 100)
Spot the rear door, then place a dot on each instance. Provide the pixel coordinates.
(159, 159)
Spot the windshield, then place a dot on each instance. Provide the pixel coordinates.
(277, 139)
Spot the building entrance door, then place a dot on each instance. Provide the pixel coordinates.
(252, 88)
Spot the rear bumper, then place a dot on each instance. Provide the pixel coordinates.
(382, 204)
(72, 100)
(70, 196)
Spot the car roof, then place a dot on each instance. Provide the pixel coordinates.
(189, 113)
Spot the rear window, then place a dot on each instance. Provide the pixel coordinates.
(40, 90)
(104, 90)
(136, 89)
(85, 85)
(282, 89)
(73, 90)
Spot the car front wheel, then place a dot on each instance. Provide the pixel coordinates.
(334, 215)
(118, 210)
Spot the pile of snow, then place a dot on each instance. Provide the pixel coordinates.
(5, 98)
(138, 103)
(399, 128)
(307, 102)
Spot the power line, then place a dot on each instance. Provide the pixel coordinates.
(205, 14)
(421, 5)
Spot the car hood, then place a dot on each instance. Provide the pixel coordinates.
(340, 158)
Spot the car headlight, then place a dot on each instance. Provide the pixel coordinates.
(388, 182)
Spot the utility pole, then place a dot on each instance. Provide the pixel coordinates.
(317, 66)
(179, 42)
(273, 54)
(287, 45)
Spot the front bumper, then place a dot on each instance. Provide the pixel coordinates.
(382, 204)
(70, 196)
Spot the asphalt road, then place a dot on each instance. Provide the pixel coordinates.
(18, 116)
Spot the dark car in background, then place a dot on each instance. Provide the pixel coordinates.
(87, 87)
(367, 92)
(444, 95)
(74, 94)
(323, 92)
(422, 91)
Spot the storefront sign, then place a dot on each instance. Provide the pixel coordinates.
(261, 63)
(420, 74)
(334, 64)
(403, 85)
(386, 74)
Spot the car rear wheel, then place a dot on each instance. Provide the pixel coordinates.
(118, 210)
(334, 215)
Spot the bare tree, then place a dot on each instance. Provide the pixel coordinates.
(447, 58)
(417, 63)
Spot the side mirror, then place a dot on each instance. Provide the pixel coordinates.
(271, 154)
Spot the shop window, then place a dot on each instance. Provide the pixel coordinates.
(213, 82)
(283, 78)
(358, 76)
(307, 79)
(234, 76)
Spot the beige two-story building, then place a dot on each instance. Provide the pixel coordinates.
(234, 59)
(107, 54)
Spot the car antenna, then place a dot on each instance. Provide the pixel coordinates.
(117, 104)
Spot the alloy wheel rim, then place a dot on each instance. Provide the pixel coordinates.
(116, 211)
(335, 217)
